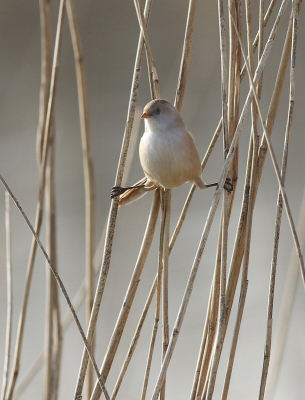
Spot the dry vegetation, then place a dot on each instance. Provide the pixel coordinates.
(244, 54)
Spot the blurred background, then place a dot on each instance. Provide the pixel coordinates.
(109, 32)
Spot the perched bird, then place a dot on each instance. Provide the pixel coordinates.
(168, 154)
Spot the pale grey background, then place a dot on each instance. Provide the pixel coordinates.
(109, 31)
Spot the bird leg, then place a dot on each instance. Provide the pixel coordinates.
(118, 190)
(228, 185)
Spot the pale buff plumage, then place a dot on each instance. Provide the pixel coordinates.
(168, 153)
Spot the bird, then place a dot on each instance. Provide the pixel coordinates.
(168, 154)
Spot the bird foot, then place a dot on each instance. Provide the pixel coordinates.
(117, 191)
(228, 185)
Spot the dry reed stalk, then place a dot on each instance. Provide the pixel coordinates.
(165, 325)
(234, 81)
(257, 37)
(152, 72)
(46, 65)
(158, 297)
(132, 288)
(114, 206)
(288, 295)
(221, 318)
(276, 95)
(39, 209)
(202, 347)
(240, 236)
(186, 55)
(284, 196)
(57, 345)
(210, 324)
(133, 344)
(49, 390)
(200, 383)
(279, 210)
(218, 191)
(152, 342)
(260, 42)
(250, 188)
(250, 58)
(246, 218)
(87, 167)
(9, 296)
(240, 310)
(232, 115)
(60, 283)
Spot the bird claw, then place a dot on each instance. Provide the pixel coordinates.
(228, 185)
(116, 191)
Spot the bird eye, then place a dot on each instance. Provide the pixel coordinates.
(158, 110)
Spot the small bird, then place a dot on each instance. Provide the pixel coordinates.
(168, 154)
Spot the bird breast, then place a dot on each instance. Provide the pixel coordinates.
(169, 158)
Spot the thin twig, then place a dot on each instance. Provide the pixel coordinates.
(9, 295)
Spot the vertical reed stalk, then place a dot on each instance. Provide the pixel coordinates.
(279, 210)
(9, 296)
(88, 169)
(280, 335)
(165, 324)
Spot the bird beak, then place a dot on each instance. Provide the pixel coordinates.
(145, 115)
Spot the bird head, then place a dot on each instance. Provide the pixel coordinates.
(162, 115)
